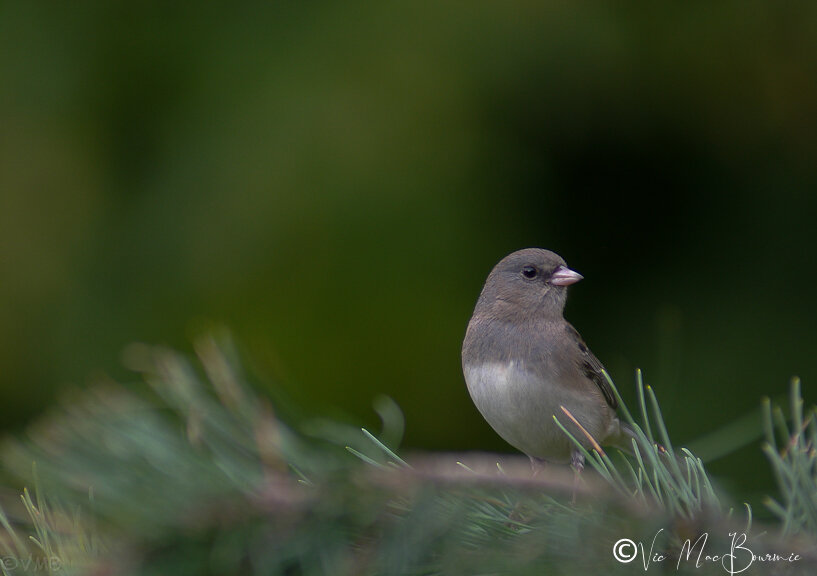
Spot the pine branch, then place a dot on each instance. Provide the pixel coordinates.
(203, 477)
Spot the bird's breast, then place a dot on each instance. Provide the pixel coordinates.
(520, 406)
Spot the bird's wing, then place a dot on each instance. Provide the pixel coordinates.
(592, 367)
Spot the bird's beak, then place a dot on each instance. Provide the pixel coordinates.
(564, 276)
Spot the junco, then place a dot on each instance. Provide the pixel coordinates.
(523, 361)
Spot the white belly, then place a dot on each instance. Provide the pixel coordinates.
(521, 407)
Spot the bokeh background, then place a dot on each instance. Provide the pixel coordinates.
(334, 181)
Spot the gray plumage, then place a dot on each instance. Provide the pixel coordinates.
(522, 360)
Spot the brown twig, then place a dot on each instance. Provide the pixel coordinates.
(592, 440)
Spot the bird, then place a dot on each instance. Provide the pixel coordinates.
(523, 363)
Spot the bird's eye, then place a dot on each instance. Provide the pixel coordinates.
(529, 272)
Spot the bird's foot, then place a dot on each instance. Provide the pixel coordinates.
(536, 465)
(577, 463)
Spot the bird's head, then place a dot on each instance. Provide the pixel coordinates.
(531, 281)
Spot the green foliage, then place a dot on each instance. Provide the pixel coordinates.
(791, 450)
(677, 483)
(202, 477)
(60, 540)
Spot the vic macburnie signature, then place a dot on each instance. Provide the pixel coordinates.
(737, 559)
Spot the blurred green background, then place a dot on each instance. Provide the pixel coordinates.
(334, 181)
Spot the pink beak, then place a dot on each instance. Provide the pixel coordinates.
(564, 276)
